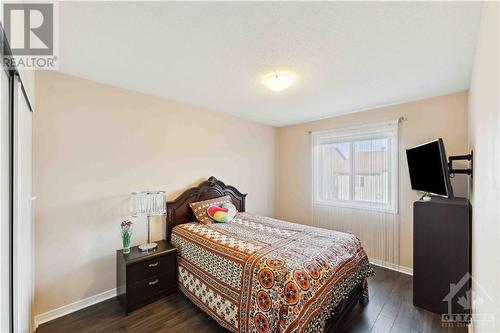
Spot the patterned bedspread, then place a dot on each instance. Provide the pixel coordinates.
(258, 274)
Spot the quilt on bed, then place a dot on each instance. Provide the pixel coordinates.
(258, 274)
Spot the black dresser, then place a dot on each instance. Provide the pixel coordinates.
(442, 255)
(144, 277)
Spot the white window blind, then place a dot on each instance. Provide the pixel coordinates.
(357, 167)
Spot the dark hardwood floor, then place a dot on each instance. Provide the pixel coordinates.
(390, 310)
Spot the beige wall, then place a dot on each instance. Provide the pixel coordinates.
(484, 137)
(94, 144)
(444, 116)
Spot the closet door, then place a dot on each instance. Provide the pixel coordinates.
(5, 202)
(23, 221)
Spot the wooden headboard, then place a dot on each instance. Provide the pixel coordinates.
(179, 212)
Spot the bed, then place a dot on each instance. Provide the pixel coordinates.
(258, 274)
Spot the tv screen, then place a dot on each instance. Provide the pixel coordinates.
(429, 169)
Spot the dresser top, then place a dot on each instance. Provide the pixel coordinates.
(136, 255)
(445, 201)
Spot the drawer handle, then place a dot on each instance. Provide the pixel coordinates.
(153, 264)
(153, 282)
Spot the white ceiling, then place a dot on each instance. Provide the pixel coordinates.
(348, 56)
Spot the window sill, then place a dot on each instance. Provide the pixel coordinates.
(351, 205)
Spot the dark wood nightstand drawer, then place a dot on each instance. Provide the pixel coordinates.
(150, 268)
(144, 289)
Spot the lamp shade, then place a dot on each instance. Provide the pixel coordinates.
(147, 203)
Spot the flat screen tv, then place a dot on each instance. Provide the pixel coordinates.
(429, 168)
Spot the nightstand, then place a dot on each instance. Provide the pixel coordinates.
(144, 277)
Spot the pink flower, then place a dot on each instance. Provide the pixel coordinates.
(126, 224)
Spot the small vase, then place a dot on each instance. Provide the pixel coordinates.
(126, 237)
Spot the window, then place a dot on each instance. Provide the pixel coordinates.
(356, 167)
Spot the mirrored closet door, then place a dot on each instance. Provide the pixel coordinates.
(5, 202)
(22, 213)
(16, 223)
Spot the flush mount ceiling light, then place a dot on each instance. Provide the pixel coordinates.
(278, 81)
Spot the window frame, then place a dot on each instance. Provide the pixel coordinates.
(384, 130)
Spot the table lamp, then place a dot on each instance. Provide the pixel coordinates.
(148, 203)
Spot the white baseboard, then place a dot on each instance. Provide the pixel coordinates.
(391, 266)
(69, 308)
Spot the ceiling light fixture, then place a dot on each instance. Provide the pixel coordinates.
(278, 81)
